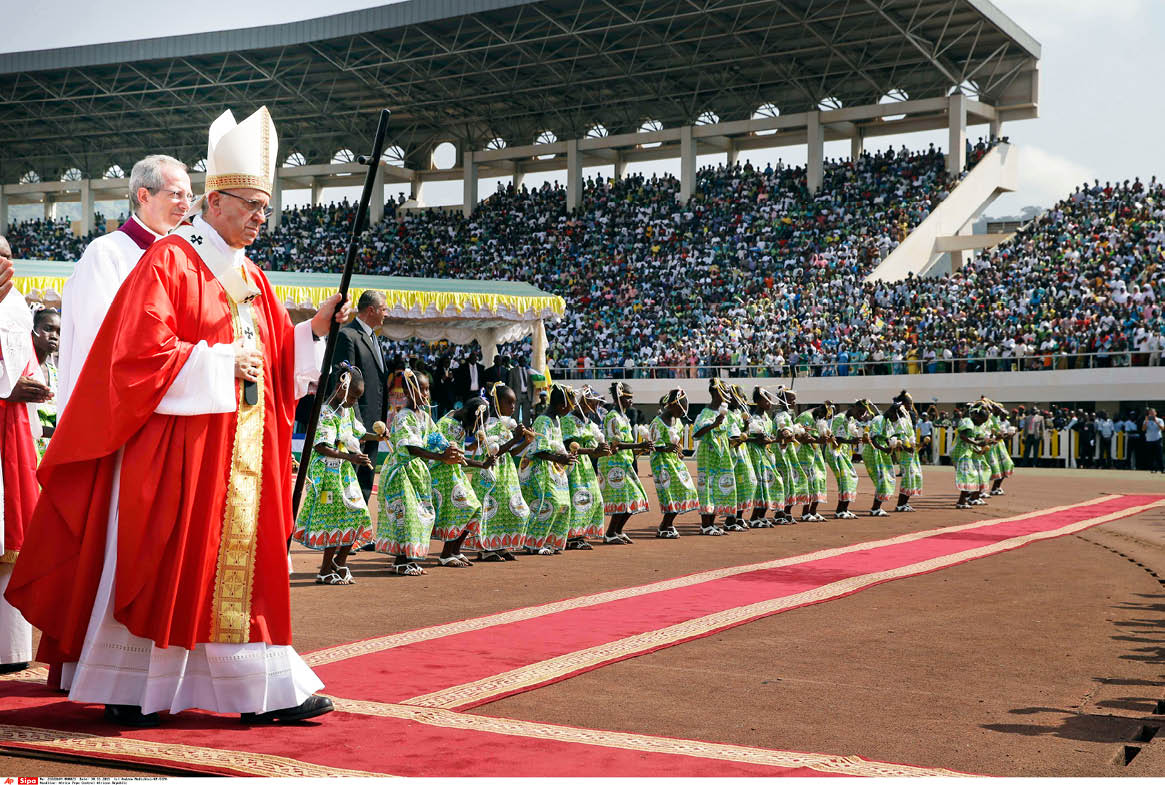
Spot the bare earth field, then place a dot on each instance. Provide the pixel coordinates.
(1048, 660)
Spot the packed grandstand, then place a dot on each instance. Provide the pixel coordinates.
(756, 276)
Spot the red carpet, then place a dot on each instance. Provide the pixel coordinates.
(366, 739)
(394, 694)
(475, 662)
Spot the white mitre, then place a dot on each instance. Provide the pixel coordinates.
(242, 155)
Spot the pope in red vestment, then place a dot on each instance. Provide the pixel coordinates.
(165, 469)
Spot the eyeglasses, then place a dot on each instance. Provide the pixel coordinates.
(176, 195)
(253, 205)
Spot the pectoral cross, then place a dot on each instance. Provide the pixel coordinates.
(196, 239)
(248, 333)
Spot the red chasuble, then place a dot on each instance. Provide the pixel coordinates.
(205, 501)
(18, 463)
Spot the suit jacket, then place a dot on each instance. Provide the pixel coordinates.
(461, 378)
(515, 383)
(361, 350)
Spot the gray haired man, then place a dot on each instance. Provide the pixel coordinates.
(159, 196)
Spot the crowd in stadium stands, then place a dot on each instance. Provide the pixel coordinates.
(49, 238)
(756, 277)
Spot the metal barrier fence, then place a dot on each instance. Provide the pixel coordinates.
(904, 367)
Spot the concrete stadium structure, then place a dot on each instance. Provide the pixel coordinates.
(518, 86)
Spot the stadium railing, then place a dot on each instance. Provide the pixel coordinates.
(1028, 363)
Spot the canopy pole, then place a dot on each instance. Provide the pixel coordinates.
(538, 350)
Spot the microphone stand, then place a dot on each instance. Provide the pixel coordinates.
(359, 224)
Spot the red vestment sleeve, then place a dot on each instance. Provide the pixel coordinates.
(18, 463)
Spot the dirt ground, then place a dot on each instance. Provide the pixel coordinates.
(1048, 660)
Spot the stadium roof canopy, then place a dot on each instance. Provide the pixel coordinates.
(475, 71)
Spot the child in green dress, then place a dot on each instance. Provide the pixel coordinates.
(623, 494)
(848, 435)
(673, 482)
(745, 473)
(545, 482)
(457, 508)
(785, 451)
(770, 485)
(583, 437)
(504, 512)
(812, 437)
(877, 456)
(333, 515)
(970, 443)
(405, 491)
(907, 455)
(715, 478)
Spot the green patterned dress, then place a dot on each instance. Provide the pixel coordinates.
(968, 463)
(908, 459)
(879, 465)
(796, 490)
(715, 478)
(546, 487)
(845, 427)
(586, 497)
(770, 486)
(742, 467)
(47, 412)
(333, 512)
(998, 456)
(622, 491)
(405, 514)
(673, 481)
(504, 513)
(810, 460)
(454, 501)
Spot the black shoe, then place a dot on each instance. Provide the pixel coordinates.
(312, 707)
(131, 716)
(13, 667)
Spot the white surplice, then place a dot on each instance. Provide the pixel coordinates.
(86, 298)
(119, 667)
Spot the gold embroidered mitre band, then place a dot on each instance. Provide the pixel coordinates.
(242, 155)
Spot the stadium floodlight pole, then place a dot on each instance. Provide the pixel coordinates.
(359, 224)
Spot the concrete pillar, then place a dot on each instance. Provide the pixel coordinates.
(519, 176)
(376, 201)
(573, 175)
(317, 191)
(49, 206)
(620, 165)
(815, 134)
(276, 204)
(957, 144)
(996, 128)
(732, 152)
(687, 164)
(3, 211)
(86, 208)
(856, 145)
(469, 180)
(417, 190)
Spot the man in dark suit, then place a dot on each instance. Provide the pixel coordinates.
(470, 376)
(498, 372)
(358, 346)
(523, 387)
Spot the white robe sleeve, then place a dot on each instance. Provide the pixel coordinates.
(15, 340)
(309, 354)
(206, 383)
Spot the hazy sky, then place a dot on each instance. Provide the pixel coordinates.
(1101, 113)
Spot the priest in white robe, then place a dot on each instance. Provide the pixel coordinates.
(156, 564)
(159, 196)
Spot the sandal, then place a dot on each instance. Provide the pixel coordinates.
(507, 555)
(410, 568)
(667, 534)
(543, 551)
(625, 537)
(578, 545)
(345, 573)
(711, 531)
(616, 540)
(762, 523)
(453, 561)
(332, 579)
(490, 556)
(879, 513)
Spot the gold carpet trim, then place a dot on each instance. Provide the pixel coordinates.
(829, 764)
(239, 761)
(373, 645)
(530, 676)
